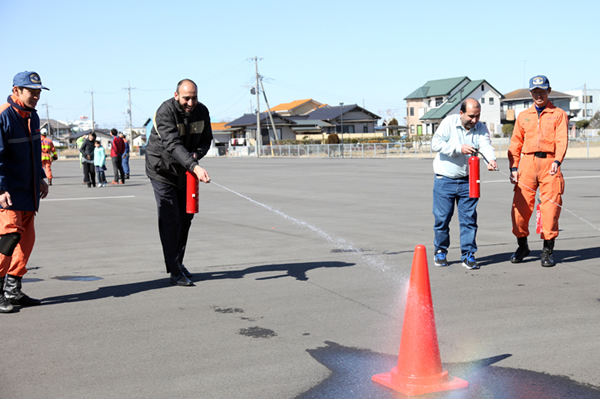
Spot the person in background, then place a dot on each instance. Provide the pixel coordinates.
(87, 160)
(116, 154)
(125, 156)
(79, 143)
(21, 186)
(537, 149)
(100, 163)
(48, 155)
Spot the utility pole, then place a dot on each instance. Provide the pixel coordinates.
(585, 101)
(342, 126)
(129, 88)
(258, 133)
(269, 108)
(93, 123)
(48, 119)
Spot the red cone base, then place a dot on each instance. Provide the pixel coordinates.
(412, 385)
(419, 370)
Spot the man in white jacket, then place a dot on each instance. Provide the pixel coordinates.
(455, 140)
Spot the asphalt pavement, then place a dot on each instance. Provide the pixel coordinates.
(301, 268)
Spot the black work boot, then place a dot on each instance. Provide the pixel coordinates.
(521, 252)
(5, 306)
(547, 260)
(12, 292)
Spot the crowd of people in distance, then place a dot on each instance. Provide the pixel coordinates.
(93, 159)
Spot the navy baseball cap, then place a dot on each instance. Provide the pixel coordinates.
(539, 82)
(31, 80)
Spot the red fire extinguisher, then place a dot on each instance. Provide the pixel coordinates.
(474, 176)
(191, 202)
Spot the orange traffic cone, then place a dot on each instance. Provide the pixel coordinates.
(419, 370)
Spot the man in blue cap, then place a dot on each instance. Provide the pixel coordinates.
(21, 186)
(537, 149)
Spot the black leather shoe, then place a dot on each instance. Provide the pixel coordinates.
(25, 300)
(546, 257)
(547, 260)
(521, 252)
(5, 305)
(186, 272)
(12, 292)
(519, 255)
(181, 281)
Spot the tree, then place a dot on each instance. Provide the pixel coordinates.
(595, 121)
(507, 129)
(582, 124)
(333, 139)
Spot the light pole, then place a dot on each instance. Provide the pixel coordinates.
(342, 126)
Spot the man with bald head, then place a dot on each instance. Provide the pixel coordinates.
(457, 137)
(181, 135)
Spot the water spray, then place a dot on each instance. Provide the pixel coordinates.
(340, 243)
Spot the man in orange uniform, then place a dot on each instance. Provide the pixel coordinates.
(537, 149)
(21, 186)
(48, 155)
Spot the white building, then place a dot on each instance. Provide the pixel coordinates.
(83, 124)
(584, 103)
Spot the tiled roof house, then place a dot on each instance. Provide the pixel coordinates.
(428, 105)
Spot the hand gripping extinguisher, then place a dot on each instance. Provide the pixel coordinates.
(191, 193)
(474, 176)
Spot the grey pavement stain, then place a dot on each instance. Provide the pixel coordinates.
(352, 369)
(227, 310)
(257, 332)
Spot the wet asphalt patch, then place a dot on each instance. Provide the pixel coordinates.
(77, 278)
(352, 369)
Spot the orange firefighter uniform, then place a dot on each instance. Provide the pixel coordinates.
(536, 143)
(48, 155)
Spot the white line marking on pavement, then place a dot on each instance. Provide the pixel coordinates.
(87, 198)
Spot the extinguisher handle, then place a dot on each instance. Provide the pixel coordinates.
(477, 153)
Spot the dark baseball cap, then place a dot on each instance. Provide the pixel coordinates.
(31, 80)
(539, 82)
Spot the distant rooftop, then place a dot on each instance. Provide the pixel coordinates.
(440, 87)
(523, 94)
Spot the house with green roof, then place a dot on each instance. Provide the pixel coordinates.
(428, 105)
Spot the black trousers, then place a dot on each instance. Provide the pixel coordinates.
(173, 224)
(117, 162)
(89, 173)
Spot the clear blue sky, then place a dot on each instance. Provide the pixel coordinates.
(365, 52)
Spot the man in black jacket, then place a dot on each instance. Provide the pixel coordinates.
(87, 159)
(181, 135)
